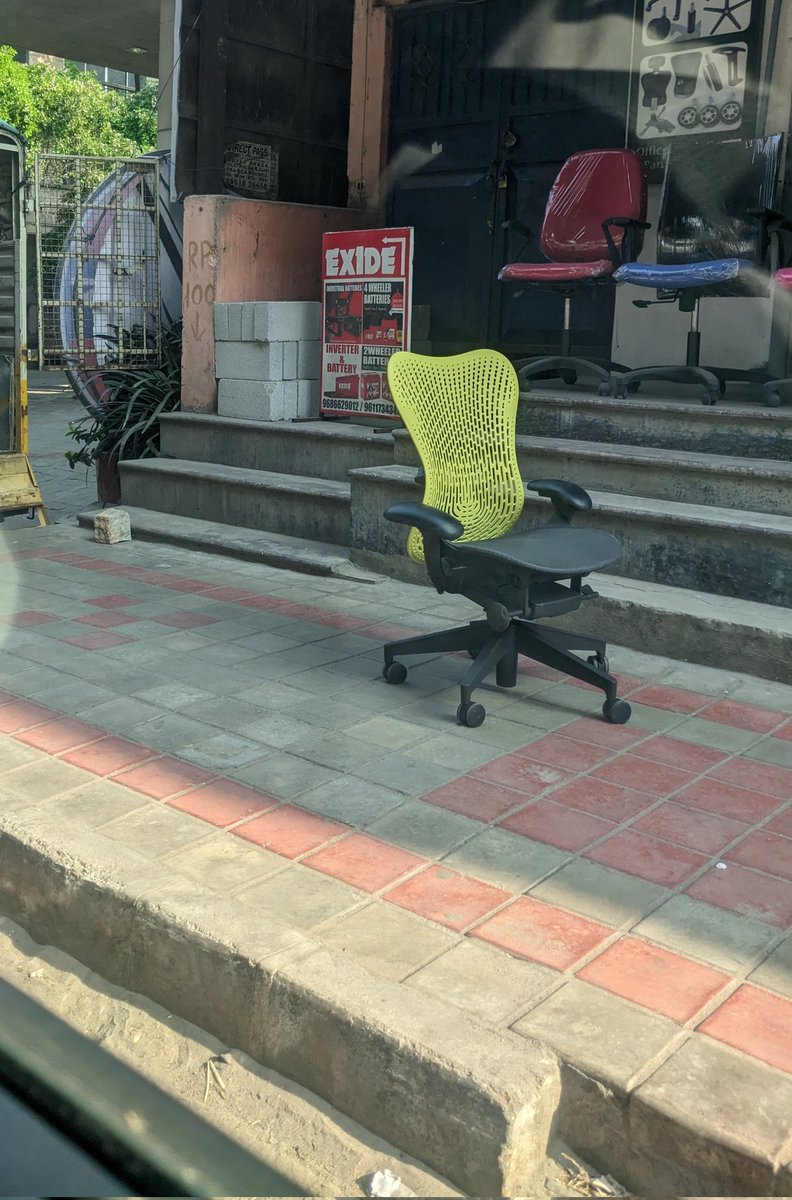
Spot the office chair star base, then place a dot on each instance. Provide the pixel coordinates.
(496, 650)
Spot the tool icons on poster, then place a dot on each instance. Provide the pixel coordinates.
(693, 91)
(686, 20)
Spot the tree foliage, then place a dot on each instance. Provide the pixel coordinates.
(65, 111)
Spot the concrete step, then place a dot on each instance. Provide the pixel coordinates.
(321, 449)
(723, 551)
(753, 484)
(316, 509)
(728, 428)
(252, 545)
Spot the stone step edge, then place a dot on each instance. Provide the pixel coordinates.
(621, 453)
(672, 512)
(702, 412)
(336, 430)
(237, 541)
(290, 1003)
(218, 473)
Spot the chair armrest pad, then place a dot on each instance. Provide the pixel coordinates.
(428, 520)
(567, 498)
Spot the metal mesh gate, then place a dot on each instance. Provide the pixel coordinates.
(97, 234)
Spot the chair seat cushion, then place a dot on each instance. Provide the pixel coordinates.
(555, 551)
(683, 275)
(783, 278)
(555, 272)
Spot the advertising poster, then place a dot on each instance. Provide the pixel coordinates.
(367, 290)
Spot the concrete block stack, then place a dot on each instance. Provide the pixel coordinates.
(268, 359)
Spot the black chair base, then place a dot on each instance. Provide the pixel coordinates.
(777, 392)
(567, 368)
(499, 651)
(690, 374)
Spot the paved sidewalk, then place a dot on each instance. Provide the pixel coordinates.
(622, 893)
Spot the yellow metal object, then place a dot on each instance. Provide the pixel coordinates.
(461, 413)
(18, 488)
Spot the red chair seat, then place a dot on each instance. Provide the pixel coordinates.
(783, 278)
(556, 272)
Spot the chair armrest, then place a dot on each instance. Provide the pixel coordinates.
(432, 521)
(567, 498)
(627, 252)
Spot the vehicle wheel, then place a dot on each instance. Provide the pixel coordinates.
(471, 715)
(394, 672)
(618, 712)
(600, 661)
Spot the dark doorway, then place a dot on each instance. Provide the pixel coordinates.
(495, 96)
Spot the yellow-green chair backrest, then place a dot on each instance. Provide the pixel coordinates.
(461, 413)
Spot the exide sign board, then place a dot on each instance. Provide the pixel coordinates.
(367, 294)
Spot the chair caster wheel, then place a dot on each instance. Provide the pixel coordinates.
(604, 389)
(634, 387)
(773, 400)
(621, 392)
(394, 672)
(568, 377)
(471, 715)
(498, 617)
(618, 712)
(600, 661)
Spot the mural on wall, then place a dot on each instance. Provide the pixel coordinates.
(695, 71)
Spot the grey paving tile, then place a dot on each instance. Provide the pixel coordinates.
(700, 930)
(604, 1035)
(225, 864)
(482, 981)
(283, 775)
(118, 715)
(302, 898)
(600, 893)
(405, 773)
(97, 803)
(719, 737)
(505, 859)
(335, 749)
(354, 801)
(423, 828)
(389, 942)
(772, 750)
(156, 830)
(776, 970)
(42, 779)
(222, 751)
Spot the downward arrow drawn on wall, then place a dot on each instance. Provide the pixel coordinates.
(197, 332)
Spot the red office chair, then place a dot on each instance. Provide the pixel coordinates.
(585, 245)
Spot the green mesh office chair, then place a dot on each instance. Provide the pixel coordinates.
(461, 414)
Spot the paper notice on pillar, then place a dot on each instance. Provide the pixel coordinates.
(367, 290)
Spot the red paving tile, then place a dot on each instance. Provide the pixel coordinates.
(785, 732)
(383, 632)
(632, 771)
(106, 620)
(557, 751)
(100, 639)
(606, 800)
(755, 1022)
(164, 777)
(556, 825)
(743, 716)
(748, 893)
(655, 978)
(524, 776)
(115, 601)
(363, 862)
(475, 798)
(765, 851)
(222, 803)
(57, 736)
(446, 897)
(781, 823)
(671, 699)
(263, 602)
(648, 858)
(289, 831)
(762, 777)
(542, 933)
(688, 827)
(601, 733)
(185, 620)
(174, 584)
(21, 714)
(339, 621)
(107, 755)
(727, 800)
(26, 620)
(685, 755)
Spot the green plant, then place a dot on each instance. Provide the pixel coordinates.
(127, 424)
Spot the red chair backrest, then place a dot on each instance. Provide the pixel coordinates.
(591, 186)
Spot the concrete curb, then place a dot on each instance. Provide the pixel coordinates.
(476, 1106)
